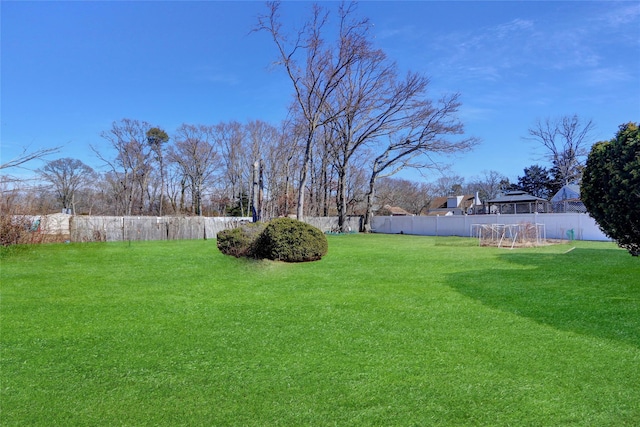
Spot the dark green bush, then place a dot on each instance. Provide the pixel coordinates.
(289, 240)
(610, 186)
(240, 241)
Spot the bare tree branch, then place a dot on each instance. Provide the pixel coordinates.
(26, 156)
(565, 140)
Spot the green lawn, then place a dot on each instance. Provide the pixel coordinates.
(385, 330)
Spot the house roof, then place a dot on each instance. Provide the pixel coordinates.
(395, 210)
(568, 192)
(516, 197)
(438, 203)
(441, 202)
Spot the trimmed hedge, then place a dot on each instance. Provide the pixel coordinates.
(286, 239)
(240, 241)
(282, 239)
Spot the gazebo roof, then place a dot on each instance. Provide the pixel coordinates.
(516, 197)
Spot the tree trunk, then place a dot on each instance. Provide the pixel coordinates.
(255, 190)
(197, 200)
(301, 186)
(342, 200)
(368, 217)
(183, 190)
(303, 178)
(325, 186)
(161, 187)
(286, 194)
(129, 200)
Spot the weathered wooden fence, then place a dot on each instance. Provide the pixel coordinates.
(110, 228)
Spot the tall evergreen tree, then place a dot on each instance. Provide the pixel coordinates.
(611, 187)
(536, 181)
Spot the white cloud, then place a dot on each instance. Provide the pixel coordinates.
(625, 14)
(469, 113)
(407, 31)
(576, 40)
(606, 75)
(215, 75)
(487, 53)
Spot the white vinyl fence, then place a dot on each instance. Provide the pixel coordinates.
(578, 226)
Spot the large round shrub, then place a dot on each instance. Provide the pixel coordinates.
(240, 241)
(611, 187)
(289, 240)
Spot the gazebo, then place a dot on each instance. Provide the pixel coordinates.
(516, 202)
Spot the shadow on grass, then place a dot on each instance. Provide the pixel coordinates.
(588, 291)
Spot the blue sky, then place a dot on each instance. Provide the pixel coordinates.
(69, 69)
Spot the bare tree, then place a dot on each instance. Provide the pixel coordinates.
(67, 176)
(488, 185)
(409, 195)
(231, 138)
(352, 89)
(16, 194)
(261, 136)
(324, 67)
(449, 183)
(196, 155)
(111, 193)
(566, 141)
(328, 176)
(425, 135)
(280, 167)
(321, 174)
(356, 190)
(374, 104)
(131, 167)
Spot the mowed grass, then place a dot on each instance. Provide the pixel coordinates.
(385, 330)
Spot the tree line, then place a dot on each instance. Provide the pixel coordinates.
(209, 170)
(353, 123)
(354, 119)
(218, 169)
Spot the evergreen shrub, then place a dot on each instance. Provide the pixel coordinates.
(286, 239)
(240, 241)
(610, 187)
